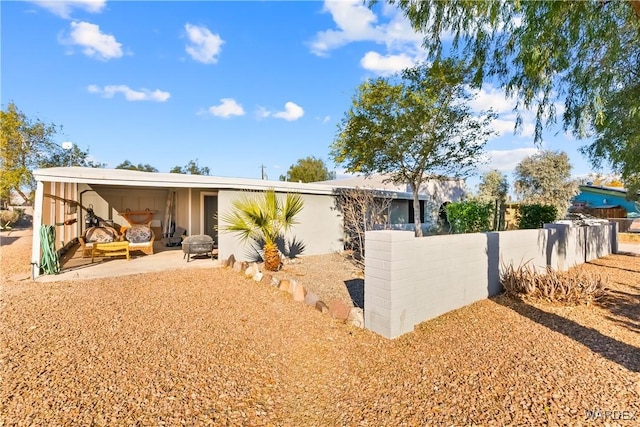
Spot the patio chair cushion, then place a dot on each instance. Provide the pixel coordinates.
(138, 234)
(101, 235)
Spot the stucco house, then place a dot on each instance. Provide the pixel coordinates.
(189, 202)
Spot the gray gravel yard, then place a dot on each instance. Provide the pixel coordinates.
(211, 347)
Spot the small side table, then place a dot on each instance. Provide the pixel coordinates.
(110, 249)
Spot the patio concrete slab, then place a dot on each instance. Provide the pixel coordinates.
(74, 267)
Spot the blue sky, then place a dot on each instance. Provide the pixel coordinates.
(235, 85)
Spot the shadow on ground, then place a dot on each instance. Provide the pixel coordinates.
(356, 291)
(7, 240)
(616, 351)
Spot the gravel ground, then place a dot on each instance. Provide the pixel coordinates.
(209, 347)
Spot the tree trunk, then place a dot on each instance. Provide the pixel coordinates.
(416, 210)
(271, 257)
(636, 6)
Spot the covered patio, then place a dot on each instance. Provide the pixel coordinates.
(76, 267)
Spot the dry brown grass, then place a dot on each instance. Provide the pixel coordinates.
(573, 287)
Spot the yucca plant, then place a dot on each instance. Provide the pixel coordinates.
(263, 217)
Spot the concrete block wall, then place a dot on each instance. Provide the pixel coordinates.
(409, 280)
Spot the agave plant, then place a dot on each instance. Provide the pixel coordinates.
(263, 217)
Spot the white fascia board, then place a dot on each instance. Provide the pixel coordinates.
(122, 177)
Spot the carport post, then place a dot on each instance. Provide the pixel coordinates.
(37, 222)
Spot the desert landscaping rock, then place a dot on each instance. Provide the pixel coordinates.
(237, 266)
(338, 309)
(231, 261)
(311, 298)
(251, 270)
(257, 276)
(356, 317)
(322, 307)
(285, 285)
(266, 279)
(199, 347)
(298, 292)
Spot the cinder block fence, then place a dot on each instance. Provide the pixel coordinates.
(409, 280)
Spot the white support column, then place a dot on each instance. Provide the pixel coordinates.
(189, 210)
(37, 222)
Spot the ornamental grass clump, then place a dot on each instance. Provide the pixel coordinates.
(571, 288)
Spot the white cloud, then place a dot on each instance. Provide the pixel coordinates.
(355, 22)
(506, 160)
(291, 112)
(63, 8)
(386, 64)
(262, 112)
(94, 43)
(130, 94)
(326, 119)
(494, 98)
(490, 97)
(204, 46)
(228, 107)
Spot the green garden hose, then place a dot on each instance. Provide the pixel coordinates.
(50, 263)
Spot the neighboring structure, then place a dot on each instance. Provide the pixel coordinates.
(605, 202)
(189, 202)
(439, 192)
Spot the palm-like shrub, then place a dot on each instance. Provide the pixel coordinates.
(264, 217)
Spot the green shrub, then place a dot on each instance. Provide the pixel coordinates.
(470, 216)
(535, 216)
(573, 287)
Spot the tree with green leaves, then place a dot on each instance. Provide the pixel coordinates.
(191, 168)
(544, 178)
(263, 217)
(493, 186)
(584, 54)
(413, 126)
(139, 167)
(618, 138)
(541, 51)
(24, 144)
(73, 156)
(309, 169)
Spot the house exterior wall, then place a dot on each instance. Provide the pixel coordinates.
(182, 209)
(319, 227)
(109, 202)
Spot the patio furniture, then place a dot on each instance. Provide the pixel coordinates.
(103, 234)
(198, 245)
(110, 249)
(140, 238)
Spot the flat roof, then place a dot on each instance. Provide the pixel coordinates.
(131, 178)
